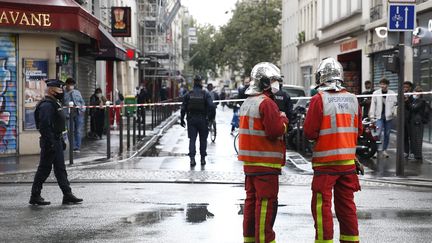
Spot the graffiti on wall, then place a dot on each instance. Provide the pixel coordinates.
(8, 94)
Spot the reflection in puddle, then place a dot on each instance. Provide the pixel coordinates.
(151, 217)
(197, 212)
(387, 214)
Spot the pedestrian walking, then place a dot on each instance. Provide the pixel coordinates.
(51, 123)
(408, 99)
(418, 111)
(333, 121)
(97, 115)
(262, 150)
(365, 102)
(383, 107)
(74, 95)
(199, 108)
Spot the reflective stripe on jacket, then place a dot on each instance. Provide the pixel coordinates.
(339, 128)
(256, 149)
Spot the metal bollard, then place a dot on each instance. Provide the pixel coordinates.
(71, 132)
(153, 111)
(144, 120)
(108, 133)
(128, 130)
(134, 130)
(121, 133)
(139, 123)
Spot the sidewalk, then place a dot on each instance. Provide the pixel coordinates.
(417, 173)
(92, 150)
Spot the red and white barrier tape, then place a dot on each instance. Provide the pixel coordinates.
(233, 100)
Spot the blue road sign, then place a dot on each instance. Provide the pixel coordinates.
(401, 17)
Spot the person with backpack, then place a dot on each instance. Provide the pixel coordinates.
(198, 107)
(419, 115)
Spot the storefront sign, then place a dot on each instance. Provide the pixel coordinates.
(25, 18)
(53, 18)
(35, 73)
(349, 45)
(121, 21)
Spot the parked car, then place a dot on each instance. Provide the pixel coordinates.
(294, 91)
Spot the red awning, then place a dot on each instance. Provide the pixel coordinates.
(55, 15)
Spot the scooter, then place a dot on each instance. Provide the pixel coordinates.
(367, 143)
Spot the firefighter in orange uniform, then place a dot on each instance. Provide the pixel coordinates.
(262, 150)
(334, 122)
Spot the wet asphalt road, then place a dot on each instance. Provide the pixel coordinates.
(189, 213)
(177, 209)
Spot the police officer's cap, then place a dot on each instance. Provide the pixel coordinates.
(54, 83)
(197, 78)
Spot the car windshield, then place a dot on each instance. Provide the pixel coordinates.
(294, 92)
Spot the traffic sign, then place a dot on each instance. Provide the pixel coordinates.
(401, 17)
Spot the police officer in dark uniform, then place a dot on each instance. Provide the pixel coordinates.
(51, 123)
(199, 107)
(283, 101)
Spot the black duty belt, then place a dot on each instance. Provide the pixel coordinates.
(335, 173)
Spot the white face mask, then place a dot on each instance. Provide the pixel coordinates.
(71, 87)
(415, 96)
(99, 95)
(274, 87)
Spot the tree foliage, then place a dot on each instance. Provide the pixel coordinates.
(252, 35)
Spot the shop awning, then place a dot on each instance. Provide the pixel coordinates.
(48, 15)
(109, 47)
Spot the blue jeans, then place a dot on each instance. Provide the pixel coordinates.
(78, 125)
(384, 128)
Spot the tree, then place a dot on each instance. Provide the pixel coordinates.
(203, 52)
(252, 35)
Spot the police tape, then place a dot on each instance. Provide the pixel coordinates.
(109, 105)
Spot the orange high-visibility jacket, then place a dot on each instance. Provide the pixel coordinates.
(256, 148)
(339, 128)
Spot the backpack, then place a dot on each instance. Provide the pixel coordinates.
(426, 114)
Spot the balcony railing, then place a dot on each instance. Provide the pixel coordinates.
(376, 12)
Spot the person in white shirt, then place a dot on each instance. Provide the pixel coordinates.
(382, 109)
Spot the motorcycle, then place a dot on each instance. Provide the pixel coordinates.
(295, 138)
(368, 141)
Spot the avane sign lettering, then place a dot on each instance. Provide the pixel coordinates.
(21, 18)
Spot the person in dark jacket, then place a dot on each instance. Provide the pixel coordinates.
(365, 102)
(407, 88)
(283, 101)
(416, 126)
(51, 123)
(97, 115)
(199, 108)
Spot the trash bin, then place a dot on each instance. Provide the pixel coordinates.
(129, 100)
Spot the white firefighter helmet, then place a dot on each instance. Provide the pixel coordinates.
(262, 74)
(329, 70)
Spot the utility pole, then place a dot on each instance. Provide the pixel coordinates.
(400, 160)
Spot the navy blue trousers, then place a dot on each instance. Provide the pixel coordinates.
(197, 126)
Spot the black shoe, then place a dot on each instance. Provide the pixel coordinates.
(38, 200)
(192, 162)
(203, 161)
(70, 198)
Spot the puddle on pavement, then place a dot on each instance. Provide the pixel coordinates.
(388, 214)
(151, 217)
(195, 213)
(156, 151)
